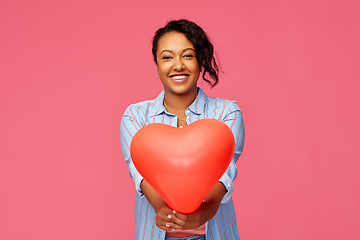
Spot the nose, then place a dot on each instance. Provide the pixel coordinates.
(178, 64)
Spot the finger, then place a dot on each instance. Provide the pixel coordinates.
(186, 221)
(181, 223)
(165, 215)
(168, 217)
(162, 228)
(175, 220)
(166, 210)
(169, 227)
(173, 226)
(167, 222)
(181, 216)
(164, 225)
(165, 228)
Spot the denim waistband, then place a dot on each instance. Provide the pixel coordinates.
(194, 237)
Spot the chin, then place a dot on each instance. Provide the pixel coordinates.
(181, 90)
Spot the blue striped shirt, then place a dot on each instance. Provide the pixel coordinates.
(223, 225)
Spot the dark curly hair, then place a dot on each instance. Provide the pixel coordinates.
(203, 47)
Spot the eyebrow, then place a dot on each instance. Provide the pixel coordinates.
(172, 51)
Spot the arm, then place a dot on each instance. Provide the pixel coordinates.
(235, 122)
(130, 124)
(222, 192)
(204, 213)
(161, 208)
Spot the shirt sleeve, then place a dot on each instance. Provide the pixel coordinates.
(235, 122)
(130, 124)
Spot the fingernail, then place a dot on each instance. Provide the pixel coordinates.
(174, 211)
(167, 225)
(173, 229)
(169, 217)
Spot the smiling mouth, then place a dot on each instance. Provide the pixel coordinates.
(179, 76)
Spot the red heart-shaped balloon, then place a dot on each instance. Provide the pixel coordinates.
(183, 164)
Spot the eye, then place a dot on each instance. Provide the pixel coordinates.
(188, 56)
(166, 57)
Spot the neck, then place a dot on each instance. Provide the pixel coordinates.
(179, 103)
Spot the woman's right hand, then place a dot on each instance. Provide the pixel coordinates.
(165, 216)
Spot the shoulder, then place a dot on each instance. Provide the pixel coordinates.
(146, 107)
(136, 113)
(140, 108)
(223, 105)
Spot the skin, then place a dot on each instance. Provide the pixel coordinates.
(176, 56)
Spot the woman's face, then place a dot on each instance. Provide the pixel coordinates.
(177, 64)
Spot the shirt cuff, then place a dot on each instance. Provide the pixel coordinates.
(137, 184)
(137, 178)
(226, 180)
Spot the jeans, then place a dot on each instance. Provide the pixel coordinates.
(194, 237)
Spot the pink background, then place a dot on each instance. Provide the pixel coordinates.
(68, 69)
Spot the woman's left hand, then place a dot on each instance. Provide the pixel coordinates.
(189, 221)
(204, 213)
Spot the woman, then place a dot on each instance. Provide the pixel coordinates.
(182, 52)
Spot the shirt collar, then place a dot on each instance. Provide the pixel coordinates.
(196, 107)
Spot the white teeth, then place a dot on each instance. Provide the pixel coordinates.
(179, 77)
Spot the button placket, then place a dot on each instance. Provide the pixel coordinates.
(175, 120)
(187, 113)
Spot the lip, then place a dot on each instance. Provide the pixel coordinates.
(179, 80)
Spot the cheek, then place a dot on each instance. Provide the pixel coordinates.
(163, 68)
(195, 68)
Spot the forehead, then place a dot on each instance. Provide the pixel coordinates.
(174, 41)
